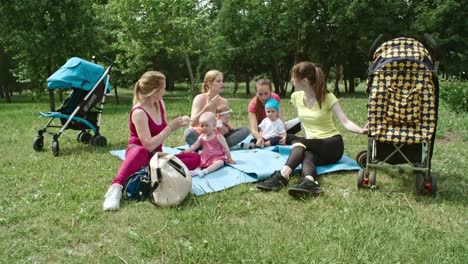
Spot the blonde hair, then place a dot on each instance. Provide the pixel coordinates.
(208, 117)
(315, 76)
(147, 85)
(209, 78)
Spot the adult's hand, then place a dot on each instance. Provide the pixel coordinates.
(213, 102)
(177, 123)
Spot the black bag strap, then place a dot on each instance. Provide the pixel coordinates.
(177, 167)
(156, 183)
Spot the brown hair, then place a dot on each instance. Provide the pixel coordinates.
(148, 84)
(258, 104)
(209, 78)
(315, 76)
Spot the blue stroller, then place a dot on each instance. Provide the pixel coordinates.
(90, 84)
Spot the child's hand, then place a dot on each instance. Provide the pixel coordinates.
(231, 161)
(222, 130)
(282, 140)
(260, 143)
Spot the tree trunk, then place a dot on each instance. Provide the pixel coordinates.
(51, 92)
(190, 72)
(345, 77)
(351, 83)
(116, 95)
(5, 93)
(247, 85)
(236, 79)
(338, 74)
(52, 100)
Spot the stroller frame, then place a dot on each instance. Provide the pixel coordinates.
(97, 94)
(384, 151)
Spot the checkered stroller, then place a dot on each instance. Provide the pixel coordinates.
(402, 113)
(89, 83)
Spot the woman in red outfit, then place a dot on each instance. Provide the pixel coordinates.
(148, 130)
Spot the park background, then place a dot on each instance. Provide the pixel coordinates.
(50, 208)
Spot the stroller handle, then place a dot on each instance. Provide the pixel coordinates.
(433, 45)
(94, 57)
(374, 46)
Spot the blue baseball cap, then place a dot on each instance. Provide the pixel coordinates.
(272, 103)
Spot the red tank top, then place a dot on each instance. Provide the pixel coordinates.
(153, 127)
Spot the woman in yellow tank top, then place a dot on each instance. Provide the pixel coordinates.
(322, 143)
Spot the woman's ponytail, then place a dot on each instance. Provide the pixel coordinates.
(136, 92)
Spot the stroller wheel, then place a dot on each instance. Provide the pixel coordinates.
(84, 137)
(99, 141)
(373, 180)
(38, 144)
(78, 136)
(426, 187)
(419, 182)
(361, 158)
(431, 187)
(55, 148)
(360, 178)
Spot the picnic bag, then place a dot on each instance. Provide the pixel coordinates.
(137, 187)
(170, 180)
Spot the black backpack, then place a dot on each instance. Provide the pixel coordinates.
(137, 186)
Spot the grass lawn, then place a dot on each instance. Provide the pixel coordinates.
(51, 207)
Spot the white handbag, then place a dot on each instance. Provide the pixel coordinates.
(171, 181)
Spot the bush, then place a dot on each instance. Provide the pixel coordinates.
(455, 95)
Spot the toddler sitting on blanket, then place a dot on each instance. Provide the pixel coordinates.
(215, 150)
(271, 129)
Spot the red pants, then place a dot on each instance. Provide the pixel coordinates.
(137, 156)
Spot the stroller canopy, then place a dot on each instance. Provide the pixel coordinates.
(402, 49)
(77, 73)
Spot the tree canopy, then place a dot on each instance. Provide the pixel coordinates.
(245, 39)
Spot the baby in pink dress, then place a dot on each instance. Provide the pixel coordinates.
(215, 150)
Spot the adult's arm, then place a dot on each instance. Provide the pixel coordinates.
(140, 120)
(199, 107)
(253, 122)
(345, 121)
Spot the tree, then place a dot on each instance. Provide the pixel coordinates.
(446, 22)
(40, 35)
(154, 33)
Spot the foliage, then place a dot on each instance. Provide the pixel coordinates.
(243, 38)
(41, 35)
(455, 95)
(446, 21)
(154, 34)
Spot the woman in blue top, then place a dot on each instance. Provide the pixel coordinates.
(322, 143)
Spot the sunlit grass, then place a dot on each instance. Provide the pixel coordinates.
(50, 210)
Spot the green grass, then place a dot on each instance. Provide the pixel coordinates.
(50, 209)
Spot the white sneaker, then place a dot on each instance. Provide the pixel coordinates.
(113, 195)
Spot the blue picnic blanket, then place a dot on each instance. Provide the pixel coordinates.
(251, 166)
